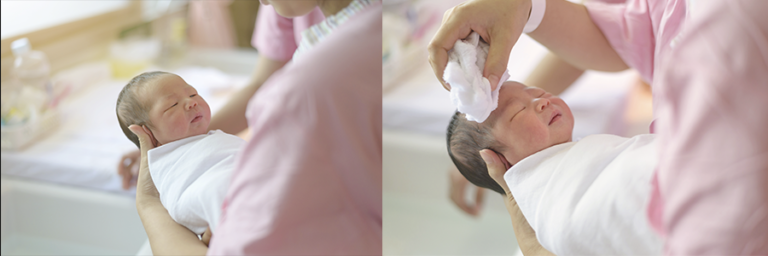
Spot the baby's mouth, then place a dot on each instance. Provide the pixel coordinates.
(197, 118)
(556, 116)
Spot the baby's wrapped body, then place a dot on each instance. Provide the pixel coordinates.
(589, 197)
(192, 176)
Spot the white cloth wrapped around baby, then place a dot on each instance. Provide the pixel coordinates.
(192, 176)
(589, 197)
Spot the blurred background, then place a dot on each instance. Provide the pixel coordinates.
(419, 217)
(63, 65)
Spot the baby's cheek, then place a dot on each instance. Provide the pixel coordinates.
(178, 128)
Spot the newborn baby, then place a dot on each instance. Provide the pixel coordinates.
(189, 165)
(582, 198)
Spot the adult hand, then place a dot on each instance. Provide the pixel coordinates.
(499, 22)
(206, 237)
(457, 188)
(128, 168)
(145, 188)
(526, 236)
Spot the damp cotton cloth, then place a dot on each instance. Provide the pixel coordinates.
(471, 93)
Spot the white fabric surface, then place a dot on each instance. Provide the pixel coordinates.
(471, 92)
(589, 197)
(192, 176)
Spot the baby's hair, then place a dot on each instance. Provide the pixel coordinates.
(132, 110)
(465, 140)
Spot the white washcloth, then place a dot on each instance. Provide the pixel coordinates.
(192, 176)
(589, 197)
(470, 91)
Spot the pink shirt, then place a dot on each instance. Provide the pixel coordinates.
(708, 65)
(277, 37)
(309, 180)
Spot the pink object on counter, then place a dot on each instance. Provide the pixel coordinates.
(708, 64)
(309, 181)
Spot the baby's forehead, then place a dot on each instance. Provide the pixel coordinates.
(514, 85)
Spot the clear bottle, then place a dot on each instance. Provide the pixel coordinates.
(32, 70)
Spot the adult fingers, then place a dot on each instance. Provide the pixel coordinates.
(125, 167)
(145, 186)
(500, 45)
(458, 186)
(206, 237)
(124, 171)
(451, 30)
(495, 168)
(479, 199)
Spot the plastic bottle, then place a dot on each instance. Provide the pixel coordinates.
(32, 70)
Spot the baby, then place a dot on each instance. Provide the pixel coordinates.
(189, 165)
(582, 198)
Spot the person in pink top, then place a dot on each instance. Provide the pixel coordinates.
(308, 182)
(707, 62)
(276, 38)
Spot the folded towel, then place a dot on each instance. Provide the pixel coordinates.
(192, 176)
(470, 91)
(589, 197)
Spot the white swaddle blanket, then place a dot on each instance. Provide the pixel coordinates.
(589, 197)
(470, 91)
(192, 176)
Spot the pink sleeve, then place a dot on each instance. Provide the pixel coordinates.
(277, 37)
(629, 29)
(712, 117)
(309, 181)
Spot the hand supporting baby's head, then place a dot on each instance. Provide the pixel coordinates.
(165, 104)
(527, 120)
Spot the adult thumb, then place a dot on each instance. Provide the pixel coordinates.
(500, 46)
(495, 168)
(143, 136)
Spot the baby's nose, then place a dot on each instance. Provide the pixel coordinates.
(541, 104)
(191, 104)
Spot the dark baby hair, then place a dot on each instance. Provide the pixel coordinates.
(132, 110)
(465, 140)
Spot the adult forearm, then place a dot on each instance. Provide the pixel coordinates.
(568, 31)
(525, 235)
(231, 118)
(553, 74)
(166, 237)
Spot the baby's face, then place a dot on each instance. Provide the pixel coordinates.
(529, 119)
(175, 109)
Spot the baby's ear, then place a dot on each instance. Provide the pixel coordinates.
(151, 135)
(507, 165)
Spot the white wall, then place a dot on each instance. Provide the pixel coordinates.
(23, 16)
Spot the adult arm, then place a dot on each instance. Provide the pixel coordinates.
(231, 117)
(166, 237)
(526, 236)
(566, 29)
(553, 74)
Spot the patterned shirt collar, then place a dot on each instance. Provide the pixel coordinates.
(314, 34)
